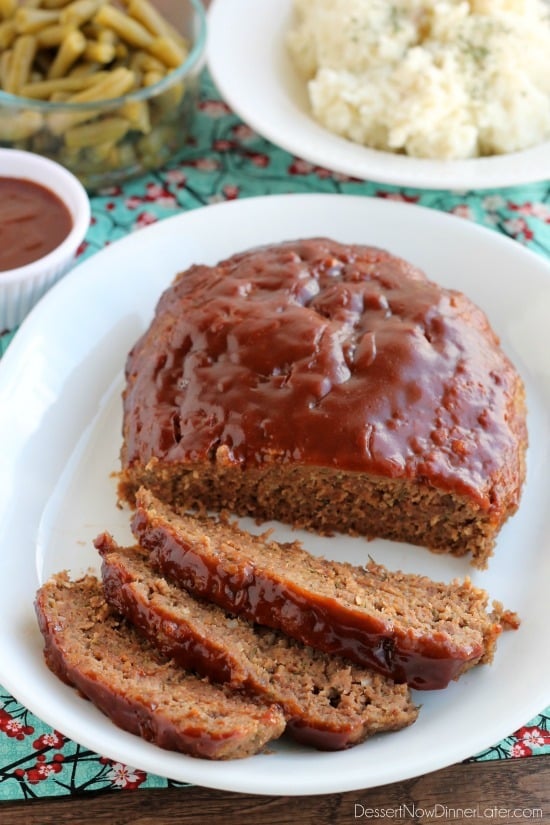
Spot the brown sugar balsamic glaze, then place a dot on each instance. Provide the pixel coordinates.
(131, 716)
(33, 222)
(327, 355)
(202, 657)
(175, 643)
(127, 713)
(313, 619)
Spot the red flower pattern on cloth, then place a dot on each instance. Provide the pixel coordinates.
(13, 727)
(519, 749)
(533, 737)
(205, 164)
(230, 192)
(535, 210)
(144, 219)
(154, 193)
(50, 739)
(304, 167)
(243, 132)
(123, 776)
(160, 195)
(176, 177)
(259, 159)
(300, 167)
(214, 108)
(42, 769)
(463, 211)
(112, 191)
(400, 197)
(223, 145)
(519, 229)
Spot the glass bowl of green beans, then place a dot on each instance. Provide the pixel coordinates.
(107, 89)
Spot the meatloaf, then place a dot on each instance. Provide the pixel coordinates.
(328, 702)
(405, 626)
(330, 386)
(89, 647)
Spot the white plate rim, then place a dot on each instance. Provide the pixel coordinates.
(44, 323)
(254, 75)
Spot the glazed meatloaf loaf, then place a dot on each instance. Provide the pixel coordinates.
(405, 626)
(328, 702)
(330, 386)
(91, 648)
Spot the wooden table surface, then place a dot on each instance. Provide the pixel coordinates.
(507, 792)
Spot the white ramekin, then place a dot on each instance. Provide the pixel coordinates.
(21, 288)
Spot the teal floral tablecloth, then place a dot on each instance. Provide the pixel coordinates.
(225, 159)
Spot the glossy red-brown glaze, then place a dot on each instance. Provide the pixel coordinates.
(170, 638)
(320, 354)
(425, 663)
(175, 641)
(33, 222)
(125, 712)
(322, 739)
(208, 661)
(203, 658)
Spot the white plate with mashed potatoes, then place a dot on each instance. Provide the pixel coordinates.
(437, 95)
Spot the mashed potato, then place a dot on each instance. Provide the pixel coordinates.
(431, 78)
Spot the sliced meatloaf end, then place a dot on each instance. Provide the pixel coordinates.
(329, 702)
(89, 647)
(408, 627)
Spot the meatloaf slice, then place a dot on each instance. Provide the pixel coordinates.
(329, 702)
(89, 647)
(405, 626)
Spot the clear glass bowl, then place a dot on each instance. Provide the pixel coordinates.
(128, 135)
